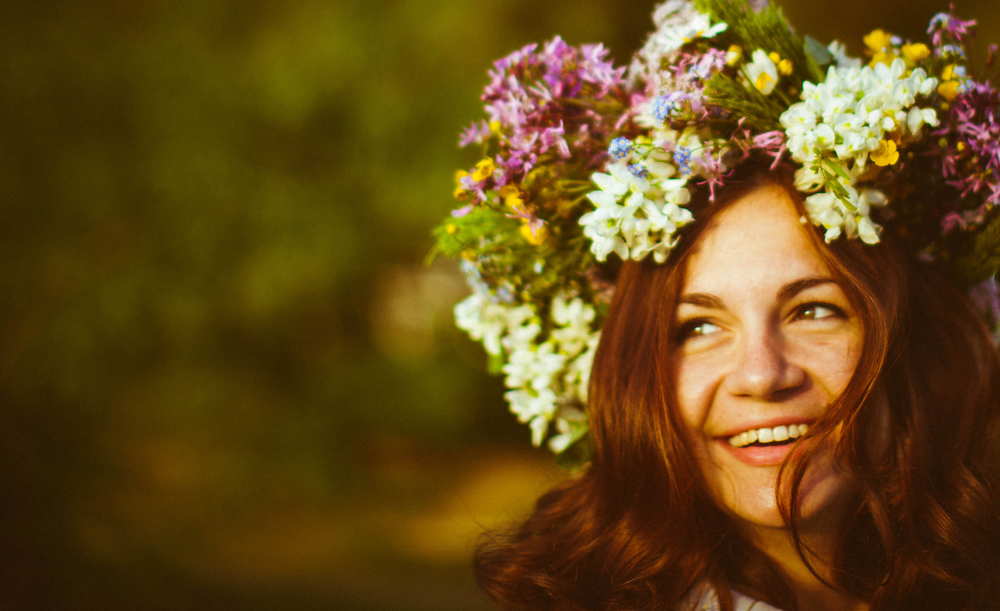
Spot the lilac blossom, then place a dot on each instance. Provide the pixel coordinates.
(476, 133)
(968, 149)
(695, 68)
(542, 95)
(945, 27)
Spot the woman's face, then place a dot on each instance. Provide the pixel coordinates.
(765, 339)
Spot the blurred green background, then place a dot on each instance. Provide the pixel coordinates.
(227, 378)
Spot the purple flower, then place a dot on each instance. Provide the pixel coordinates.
(553, 137)
(773, 143)
(945, 27)
(595, 69)
(460, 212)
(969, 144)
(692, 68)
(474, 134)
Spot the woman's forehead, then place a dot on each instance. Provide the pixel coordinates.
(758, 240)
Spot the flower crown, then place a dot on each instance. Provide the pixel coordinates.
(582, 159)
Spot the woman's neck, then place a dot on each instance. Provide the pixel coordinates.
(820, 547)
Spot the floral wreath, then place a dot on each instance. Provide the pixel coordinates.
(582, 159)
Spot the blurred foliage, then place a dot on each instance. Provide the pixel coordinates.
(227, 380)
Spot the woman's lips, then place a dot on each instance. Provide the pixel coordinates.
(758, 456)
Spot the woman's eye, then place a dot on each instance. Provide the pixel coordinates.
(696, 328)
(818, 311)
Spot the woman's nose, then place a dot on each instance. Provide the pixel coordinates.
(762, 368)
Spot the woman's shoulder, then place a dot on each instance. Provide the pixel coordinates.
(704, 599)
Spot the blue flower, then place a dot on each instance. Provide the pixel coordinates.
(951, 50)
(662, 107)
(637, 170)
(941, 19)
(682, 157)
(620, 148)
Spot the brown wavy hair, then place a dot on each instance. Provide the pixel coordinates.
(638, 529)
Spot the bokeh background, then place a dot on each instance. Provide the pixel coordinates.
(228, 379)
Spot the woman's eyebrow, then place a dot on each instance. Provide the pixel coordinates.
(794, 288)
(703, 300)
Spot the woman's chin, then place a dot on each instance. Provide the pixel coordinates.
(748, 492)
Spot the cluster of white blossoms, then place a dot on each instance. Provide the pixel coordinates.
(636, 214)
(640, 202)
(547, 379)
(855, 116)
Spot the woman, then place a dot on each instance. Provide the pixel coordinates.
(885, 370)
(782, 394)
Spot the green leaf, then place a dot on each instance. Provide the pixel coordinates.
(742, 101)
(836, 168)
(817, 51)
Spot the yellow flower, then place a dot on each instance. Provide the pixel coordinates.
(484, 169)
(774, 57)
(469, 255)
(785, 67)
(507, 190)
(886, 153)
(452, 228)
(878, 40)
(948, 73)
(948, 90)
(763, 80)
(762, 72)
(495, 127)
(534, 238)
(734, 55)
(960, 146)
(883, 57)
(459, 192)
(511, 197)
(916, 52)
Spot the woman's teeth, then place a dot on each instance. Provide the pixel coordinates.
(768, 435)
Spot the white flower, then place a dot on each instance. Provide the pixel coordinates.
(833, 213)
(838, 125)
(482, 320)
(839, 53)
(574, 320)
(918, 117)
(571, 424)
(578, 372)
(762, 72)
(637, 216)
(522, 328)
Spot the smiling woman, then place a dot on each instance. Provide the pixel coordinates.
(766, 340)
(774, 419)
(778, 389)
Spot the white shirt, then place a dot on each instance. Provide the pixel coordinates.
(707, 601)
